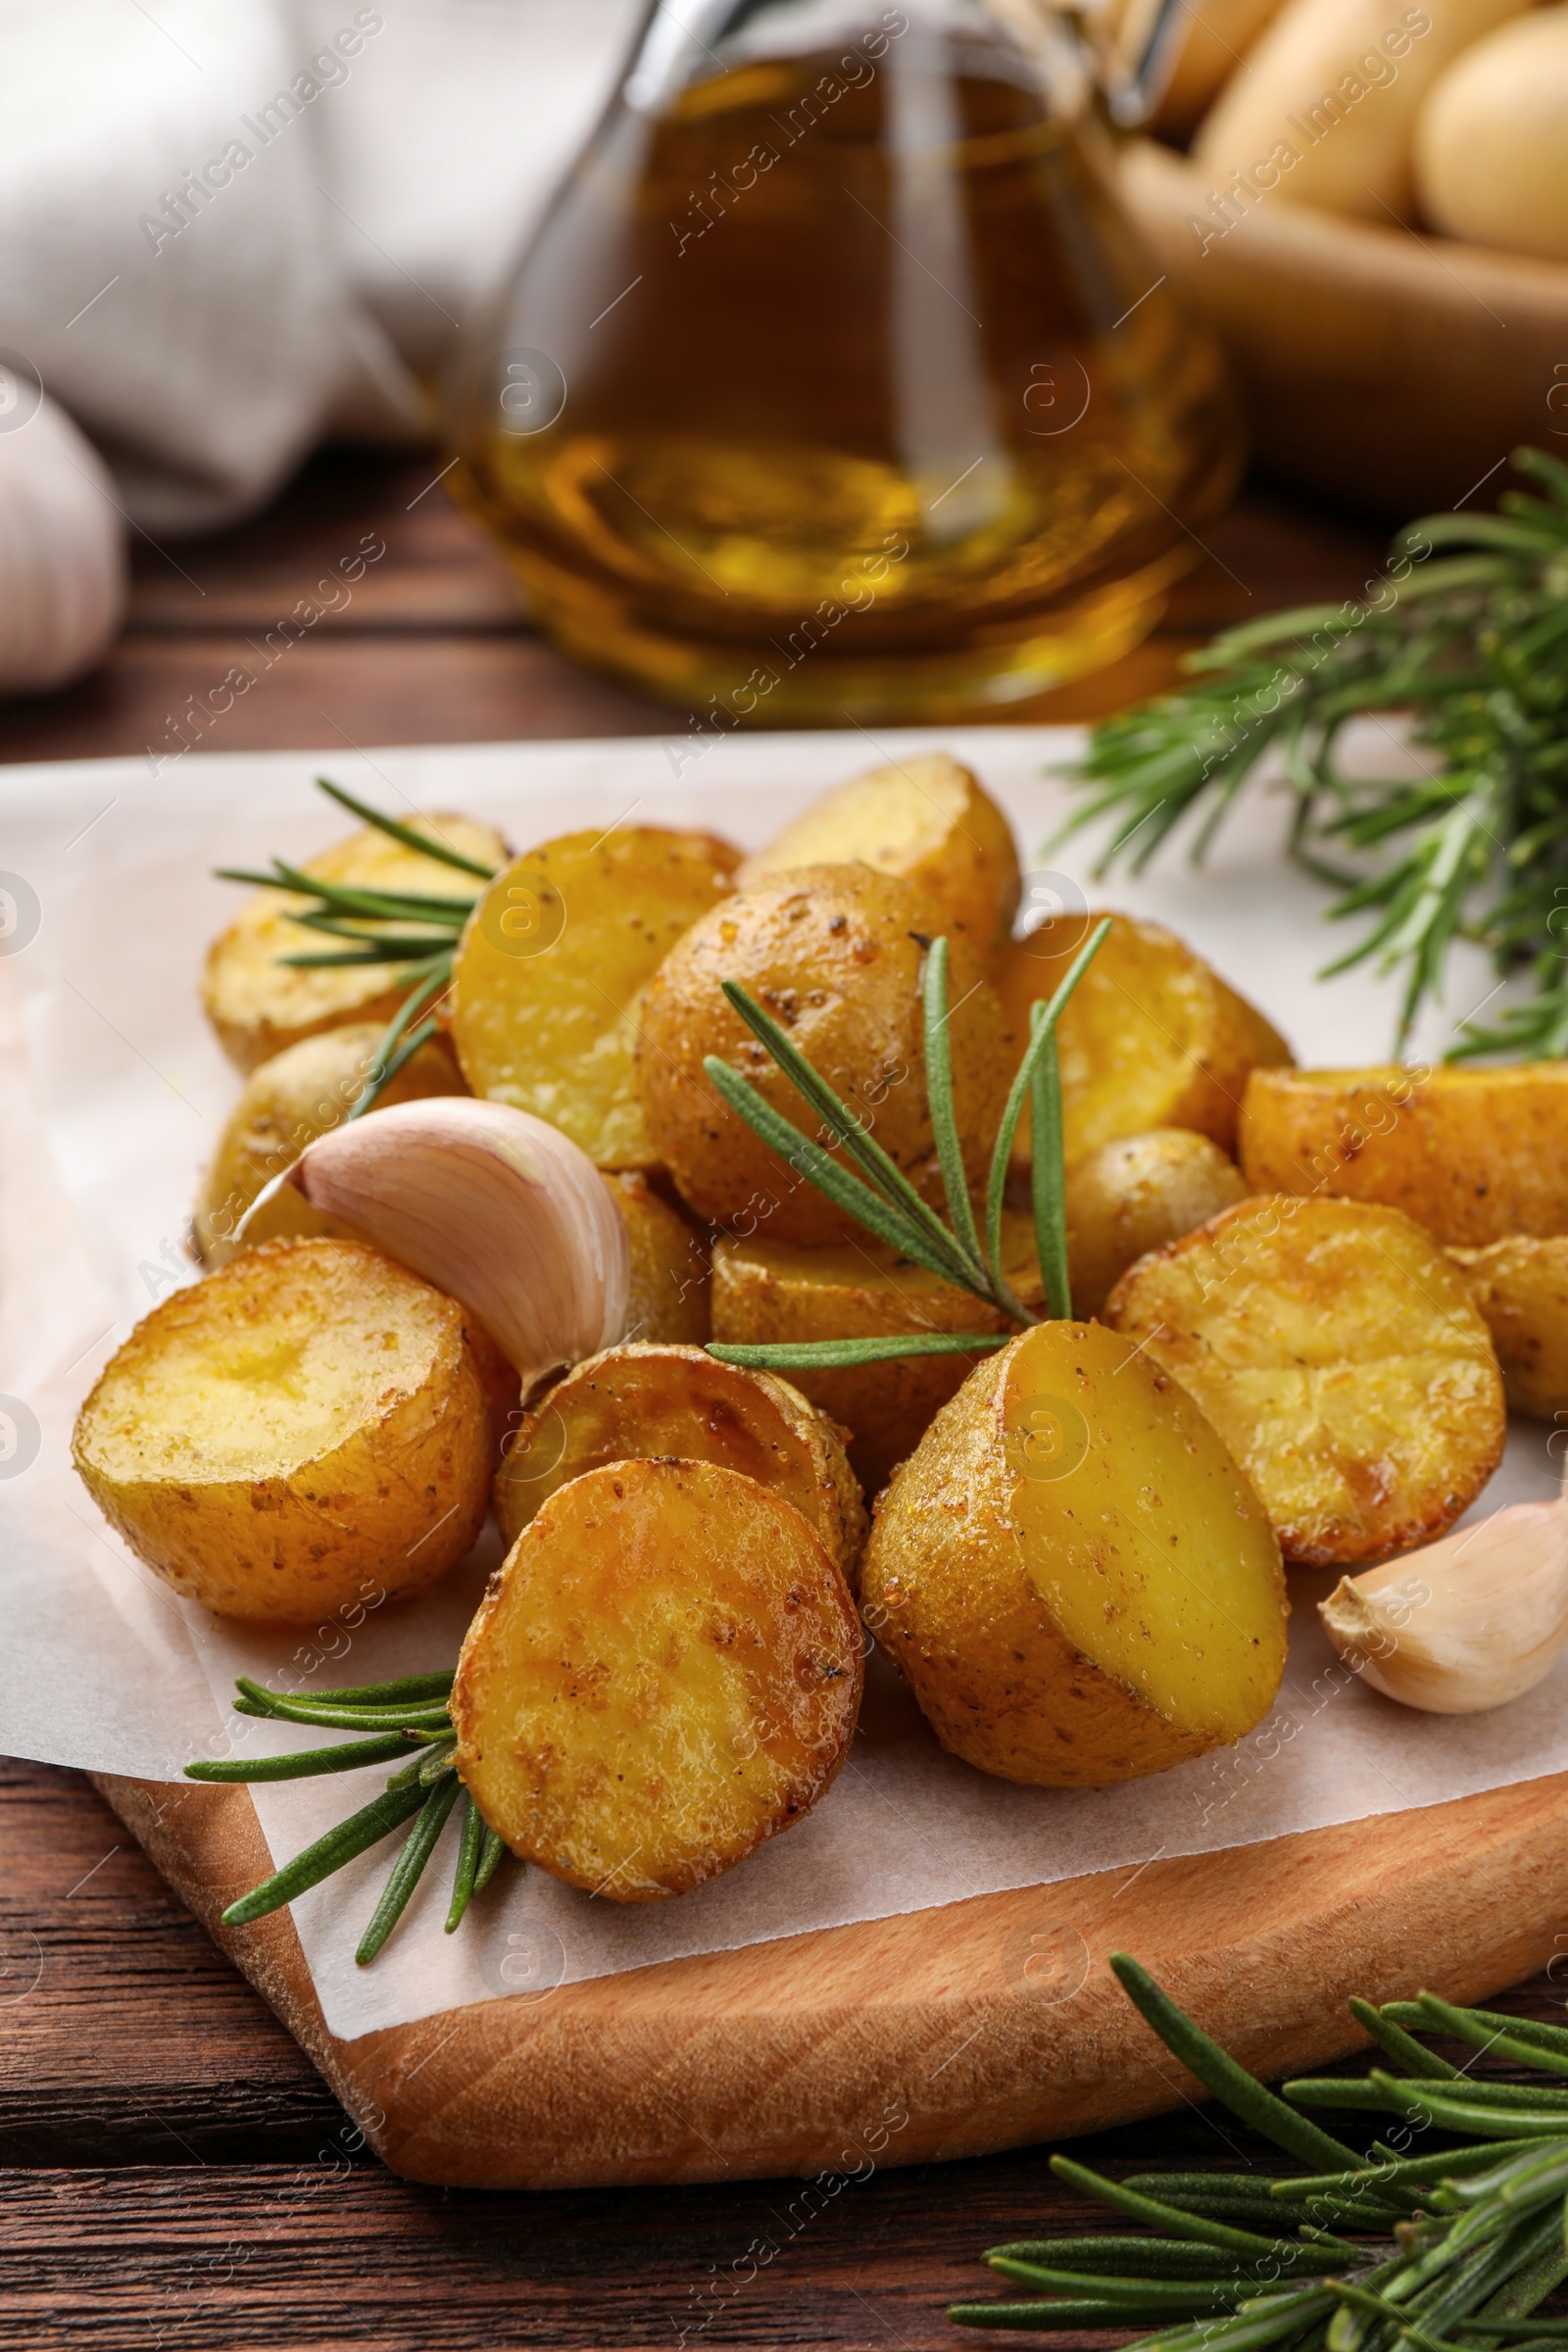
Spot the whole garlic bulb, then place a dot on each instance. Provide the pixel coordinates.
(62, 545)
(1465, 1624)
(496, 1207)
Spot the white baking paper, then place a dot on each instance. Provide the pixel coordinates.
(112, 1094)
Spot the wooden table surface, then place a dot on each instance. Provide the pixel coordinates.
(172, 2173)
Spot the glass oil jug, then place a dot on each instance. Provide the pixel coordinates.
(835, 387)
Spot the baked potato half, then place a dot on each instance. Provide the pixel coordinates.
(664, 1672)
(548, 985)
(1137, 1194)
(1072, 1573)
(261, 1006)
(287, 1103)
(925, 819)
(1474, 1155)
(1152, 1037)
(766, 1293)
(641, 1404)
(1521, 1289)
(834, 953)
(1336, 1349)
(304, 1422)
(670, 1278)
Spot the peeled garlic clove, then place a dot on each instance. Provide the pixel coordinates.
(497, 1208)
(62, 545)
(1462, 1624)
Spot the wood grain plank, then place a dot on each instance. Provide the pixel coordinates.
(983, 2025)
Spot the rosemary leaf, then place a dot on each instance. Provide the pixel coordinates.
(1042, 1031)
(412, 1689)
(833, 1355)
(1527, 2030)
(398, 1043)
(939, 1096)
(1046, 1176)
(490, 1855)
(469, 1846)
(423, 843)
(305, 1763)
(1501, 2039)
(1401, 2045)
(1179, 2221)
(1146, 2297)
(362, 1829)
(1221, 2075)
(417, 1848)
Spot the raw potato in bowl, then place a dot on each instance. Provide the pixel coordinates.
(1336, 1352)
(305, 1421)
(641, 1404)
(260, 1007)
(1074, 1575)
(924, 819)
(834, 953)
(664, 1672)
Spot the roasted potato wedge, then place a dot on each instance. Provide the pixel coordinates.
(765, 1292)
(670, 1277)
(548, 988)
(1074, 1575)
(304, 1421)
(641, 1404)
(834, 953)
(1135, 1195)
(286, 1103)
(1474, 1155)
(664, 1672)
(1521, 1288)
(1153, 1037)
(260, 1007)
(925, 819)
(1336, 1349)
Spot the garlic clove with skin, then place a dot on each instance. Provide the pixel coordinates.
(1465, 1624)
(497, 1208)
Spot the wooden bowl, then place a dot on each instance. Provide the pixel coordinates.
(1391, 371)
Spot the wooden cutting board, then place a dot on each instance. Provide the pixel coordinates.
(983, 2025)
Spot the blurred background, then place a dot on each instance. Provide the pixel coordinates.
(458, 369)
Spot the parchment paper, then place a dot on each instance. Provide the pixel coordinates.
(112, 1094)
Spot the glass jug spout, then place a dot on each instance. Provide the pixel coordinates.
(835, 384)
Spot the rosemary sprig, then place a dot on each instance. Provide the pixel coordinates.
(410, 1713)
(882, 1198)
(1474, 644)
(1444, 2251)
(416, 930)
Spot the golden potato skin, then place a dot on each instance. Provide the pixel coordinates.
(1152, 1037)
(1019, 1570)
(768, 1292)
(670, 1278)
(302, 1421)
(260, 1007)
(925, 819)
(1521, 1288)
(548, 987)
(664, 1672)
(640, 1403)
(1336, 1349)
(1137, 1194)
(286, 1103)
(1474, 1155)
(834, 953)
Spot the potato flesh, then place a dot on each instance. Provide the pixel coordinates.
(1521, 1290)
(771, 1292)
(668, 1295)
(298, 1429)
(835, 954)
(261, 1006)
(1336, 1350)
(548, 989)
(1072, 1573)
(1474, 1155)
(1135, 1195)
(926, 820)
(665, 1671)
(637, 1404)
(287, 1102)
(1152, 1037)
